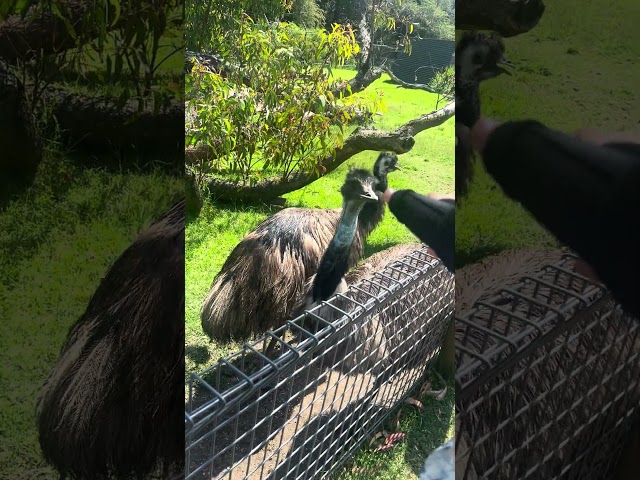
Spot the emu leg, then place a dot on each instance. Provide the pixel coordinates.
(272, 344)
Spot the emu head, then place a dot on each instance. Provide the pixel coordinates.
(480, 56)
(359, 187)
(386, 163)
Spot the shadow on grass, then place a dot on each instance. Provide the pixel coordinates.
(371, 248)
(477, 253)
(198, 353)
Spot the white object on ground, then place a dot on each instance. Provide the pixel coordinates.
(440, 465)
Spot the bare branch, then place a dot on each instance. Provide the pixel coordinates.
(402, 83)
(400, 140)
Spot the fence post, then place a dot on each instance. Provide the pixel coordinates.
(446, 361)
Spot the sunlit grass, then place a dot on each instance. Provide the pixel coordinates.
(566, 78)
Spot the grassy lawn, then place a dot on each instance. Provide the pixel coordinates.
(57, 242)
(568, 76)
(210, 237)
(426, 430)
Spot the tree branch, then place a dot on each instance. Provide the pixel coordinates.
(366, 76)
(398, 141)
(402, 83)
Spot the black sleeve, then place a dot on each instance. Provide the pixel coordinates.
(432, 221)
(586, 195)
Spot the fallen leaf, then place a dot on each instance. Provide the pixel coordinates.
(391, 439)
(437, 394)
(413, 401)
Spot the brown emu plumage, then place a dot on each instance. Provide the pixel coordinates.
(533, 397)
(112, 404)
(264, 276)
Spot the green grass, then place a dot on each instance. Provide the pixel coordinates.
(56, 243)
(573, 71)
(210, 237)
(426, 430)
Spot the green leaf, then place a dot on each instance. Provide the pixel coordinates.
(56, 11)
(116, 6)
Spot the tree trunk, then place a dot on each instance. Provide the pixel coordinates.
(20, 145)
(100, 122)
(398, 141)
(507, 17)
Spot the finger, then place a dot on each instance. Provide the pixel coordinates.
(599, 137)
(481, 131)
(387, 194)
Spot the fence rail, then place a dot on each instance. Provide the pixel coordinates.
(341, 370)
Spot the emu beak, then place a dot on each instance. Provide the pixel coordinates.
(504, 61)
(396, 167)
(369, 195)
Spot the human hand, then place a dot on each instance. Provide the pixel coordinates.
(599, 137)
(481, 131)
(387, 194)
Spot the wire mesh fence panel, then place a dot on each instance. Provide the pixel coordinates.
(547, 379)
(339, 372)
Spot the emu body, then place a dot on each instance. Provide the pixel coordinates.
(112, 406)
(263, 278)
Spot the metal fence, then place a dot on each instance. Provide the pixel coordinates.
(547, 380)
(341, 370)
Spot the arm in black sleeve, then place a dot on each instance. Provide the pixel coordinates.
(588, 196)
(432, 221)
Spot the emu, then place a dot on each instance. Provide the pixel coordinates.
(112, 406)
(479, 57)
(263, 278)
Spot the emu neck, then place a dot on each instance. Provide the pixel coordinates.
(382, 184)
(467, 102)
(372, 213)
(334, 263)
